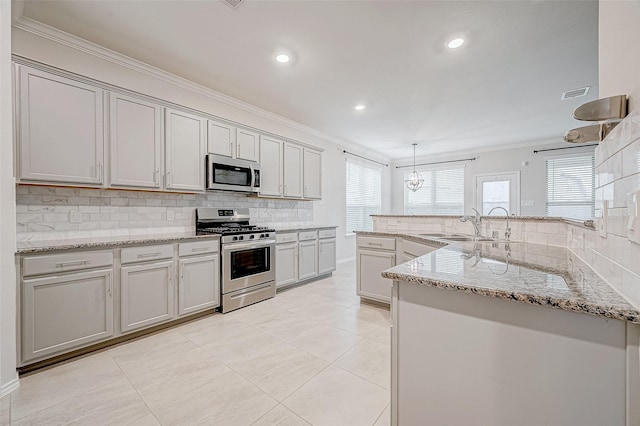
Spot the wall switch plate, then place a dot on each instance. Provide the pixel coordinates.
(75, 216)
(527, 203)
(171, 215)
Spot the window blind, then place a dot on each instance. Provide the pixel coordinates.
(570, 187)
(441, 194)
(364, 195)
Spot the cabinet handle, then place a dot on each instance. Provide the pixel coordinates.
(73, 262)
(109, 283)
(143, 255)
(285, 190)
(198, 249)
(182, 272)
(156, 177)
(305, 191)
(168, 178)
(375, 244)
(100, 171)
(237, 149)
(230, 148)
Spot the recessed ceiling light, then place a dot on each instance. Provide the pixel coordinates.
(283, 58)
(359, 107)
(455, 43)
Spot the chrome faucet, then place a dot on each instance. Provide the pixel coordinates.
(507, 233)
(476, 221)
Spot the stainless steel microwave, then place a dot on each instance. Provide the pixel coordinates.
(230, 174)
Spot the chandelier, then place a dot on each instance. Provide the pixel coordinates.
(415, 180)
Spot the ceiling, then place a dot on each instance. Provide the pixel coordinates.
(502, 87)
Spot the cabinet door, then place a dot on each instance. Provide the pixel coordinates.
(146, 293)
(271, 167)
(199, 286)
(135, 142)
(312, 174)
(307, 259)
(65, 312)
(286, 264)
(185, 139)
(292, 170)
(370, 265)
(246, 145)
(61, 129)
(220, 139)
(326, 255)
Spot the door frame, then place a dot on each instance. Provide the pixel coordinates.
(475, 189)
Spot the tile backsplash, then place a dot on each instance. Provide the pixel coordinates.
(52, 213)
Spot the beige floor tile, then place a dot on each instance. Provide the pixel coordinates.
(337, 397)
(239, 344)
(228, 400)
(164, 382)
(325, 342)
(116, 403)
(385, 417)
(351, 321)
(372, 313)
(5, 410)
(286, 325)
(47, 388)
(281, 370)
(369, 360)
(317, 308)
(280, 416)
(202, 332)
(147, 351)
(381, 335)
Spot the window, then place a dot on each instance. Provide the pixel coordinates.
(364, 195)
(570, 187)
(441, 194)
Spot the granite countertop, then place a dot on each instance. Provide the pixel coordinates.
(302, 227)
(27, 247)
(528, 273)
(578, 222)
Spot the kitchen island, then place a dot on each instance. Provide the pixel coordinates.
(506, 333)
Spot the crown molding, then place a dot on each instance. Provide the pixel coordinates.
(54, 34)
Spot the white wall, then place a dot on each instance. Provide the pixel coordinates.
(326, 212)
(7, 211)
(532, 176)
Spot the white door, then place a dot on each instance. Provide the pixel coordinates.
(136, 142)
(498, 190)
(307, 259)
(312, 174)
(61, 135)
(292, 170)
(65, 312)
(246, 145)
(221, 138)
(326, 255)
(185, 139)
(199, 285)
(370, 265)
(146, 293)
(286, 264)
(271, 167)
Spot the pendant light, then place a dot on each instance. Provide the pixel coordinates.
(415, 180)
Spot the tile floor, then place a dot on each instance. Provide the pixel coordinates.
(312, 355)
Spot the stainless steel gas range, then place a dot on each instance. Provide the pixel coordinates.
(247, 256)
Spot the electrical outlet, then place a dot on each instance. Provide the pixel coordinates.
(171, 215)
(75, 216)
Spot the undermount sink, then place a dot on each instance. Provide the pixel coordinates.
(456, 237)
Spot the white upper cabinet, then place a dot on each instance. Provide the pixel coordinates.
(221, 139)
(271, 167)
(135, 142)
(185, 141)
(292, 170)
(61, 129)
(247, 145)
(312, 174)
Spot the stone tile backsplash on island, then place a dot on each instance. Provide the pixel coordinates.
(51, 213)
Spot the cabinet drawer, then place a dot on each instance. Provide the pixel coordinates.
(327, 233)
(286, 238)
(377, 242)
(47, 264)
(198, 247)
(416, 249)
(307, 235)
(140, 254)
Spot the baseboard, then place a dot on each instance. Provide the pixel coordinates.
(7, 388)
(350, 259)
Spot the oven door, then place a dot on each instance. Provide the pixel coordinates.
(247, 264)
(228, 174)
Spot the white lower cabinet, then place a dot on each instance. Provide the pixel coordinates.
(286, 264)
(146, 295)
(326, 255)
(307, 255)
(65, 312)
(371, 284)
(199, 283)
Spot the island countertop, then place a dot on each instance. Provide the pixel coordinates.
(529, 273)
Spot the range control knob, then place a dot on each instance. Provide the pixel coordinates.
(251, 237)
(241, 237)
(235, 238)
(261, 235)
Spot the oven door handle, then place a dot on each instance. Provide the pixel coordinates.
(253, 178)
(242, 246)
